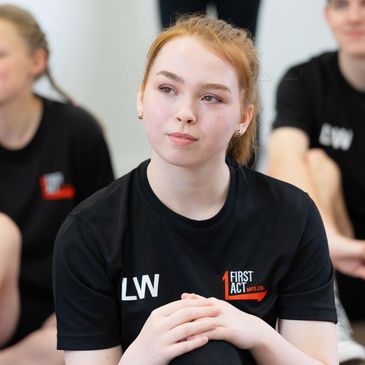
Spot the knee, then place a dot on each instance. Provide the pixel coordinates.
(320, 163)
(11, 239)
(214, 352)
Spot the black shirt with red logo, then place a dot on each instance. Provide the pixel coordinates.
(315, 97)
(122, 253)
(66, 161)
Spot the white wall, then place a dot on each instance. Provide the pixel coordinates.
(98, 51)
(289, 32)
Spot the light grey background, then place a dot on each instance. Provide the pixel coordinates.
(98, 52)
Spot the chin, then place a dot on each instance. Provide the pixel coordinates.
(183, 160)
(355, 52)
(354, 49)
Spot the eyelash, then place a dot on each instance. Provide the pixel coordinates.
(213, 99)
(166, 89)
(340, 4)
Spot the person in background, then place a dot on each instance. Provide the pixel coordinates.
(52, 156)
(242, 14)
(193, 258)
(318, 144)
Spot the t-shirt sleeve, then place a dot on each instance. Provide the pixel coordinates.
(92, 167)
(306, 291)
(294, 107)
(85, 295)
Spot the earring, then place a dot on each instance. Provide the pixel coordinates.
(237, 132)
(140, 115)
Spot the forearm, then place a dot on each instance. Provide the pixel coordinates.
(274, 349)
(294, 170)
(322, 184)
(38, 348)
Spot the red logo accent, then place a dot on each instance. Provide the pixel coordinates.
(65, 191)
(253, 293)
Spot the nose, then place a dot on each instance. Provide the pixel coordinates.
(186, 112)
(356, 12)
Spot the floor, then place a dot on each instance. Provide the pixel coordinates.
(359, 335)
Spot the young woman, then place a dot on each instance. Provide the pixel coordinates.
(52, 156)
(192, 258)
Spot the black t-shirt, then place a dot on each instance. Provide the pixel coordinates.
(316, 98)
(66, 161)
(122, 253)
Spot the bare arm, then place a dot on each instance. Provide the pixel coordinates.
(109, 356)
(289, 159)
(164, 336)
(38, 348)
(299, 342)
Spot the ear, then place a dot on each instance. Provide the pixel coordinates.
(246, 118)
(39, 60)
(140, 102)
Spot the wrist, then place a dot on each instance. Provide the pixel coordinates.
(263, 334)
(137, 356)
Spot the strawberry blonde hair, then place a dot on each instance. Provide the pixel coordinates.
(233, 45)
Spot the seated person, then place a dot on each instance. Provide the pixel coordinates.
(189, 258)
(52, 156)
(317, 144)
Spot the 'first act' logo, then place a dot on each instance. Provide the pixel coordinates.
(238, 286)
(53, 187)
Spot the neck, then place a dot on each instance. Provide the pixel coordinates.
(196, 193)
(19, 120)
(353, 70)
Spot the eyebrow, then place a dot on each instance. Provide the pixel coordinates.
(179, 79)
(171, 76)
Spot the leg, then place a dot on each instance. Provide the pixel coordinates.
(10, 247)
(215, 353)
(169, 9)
(38, 348)
(326, 179)
(241, 13)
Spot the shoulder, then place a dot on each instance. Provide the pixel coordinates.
(275, 197)
(98, 222)
(309, 68)
(70, 117)
(286, 211)
(111, 203)
(105, 202)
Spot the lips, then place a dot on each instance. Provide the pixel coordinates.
(182, 139)
(183, 136)
(355, 33)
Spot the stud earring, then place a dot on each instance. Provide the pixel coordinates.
(140, 115)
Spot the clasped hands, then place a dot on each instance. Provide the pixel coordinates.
(187, 324)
